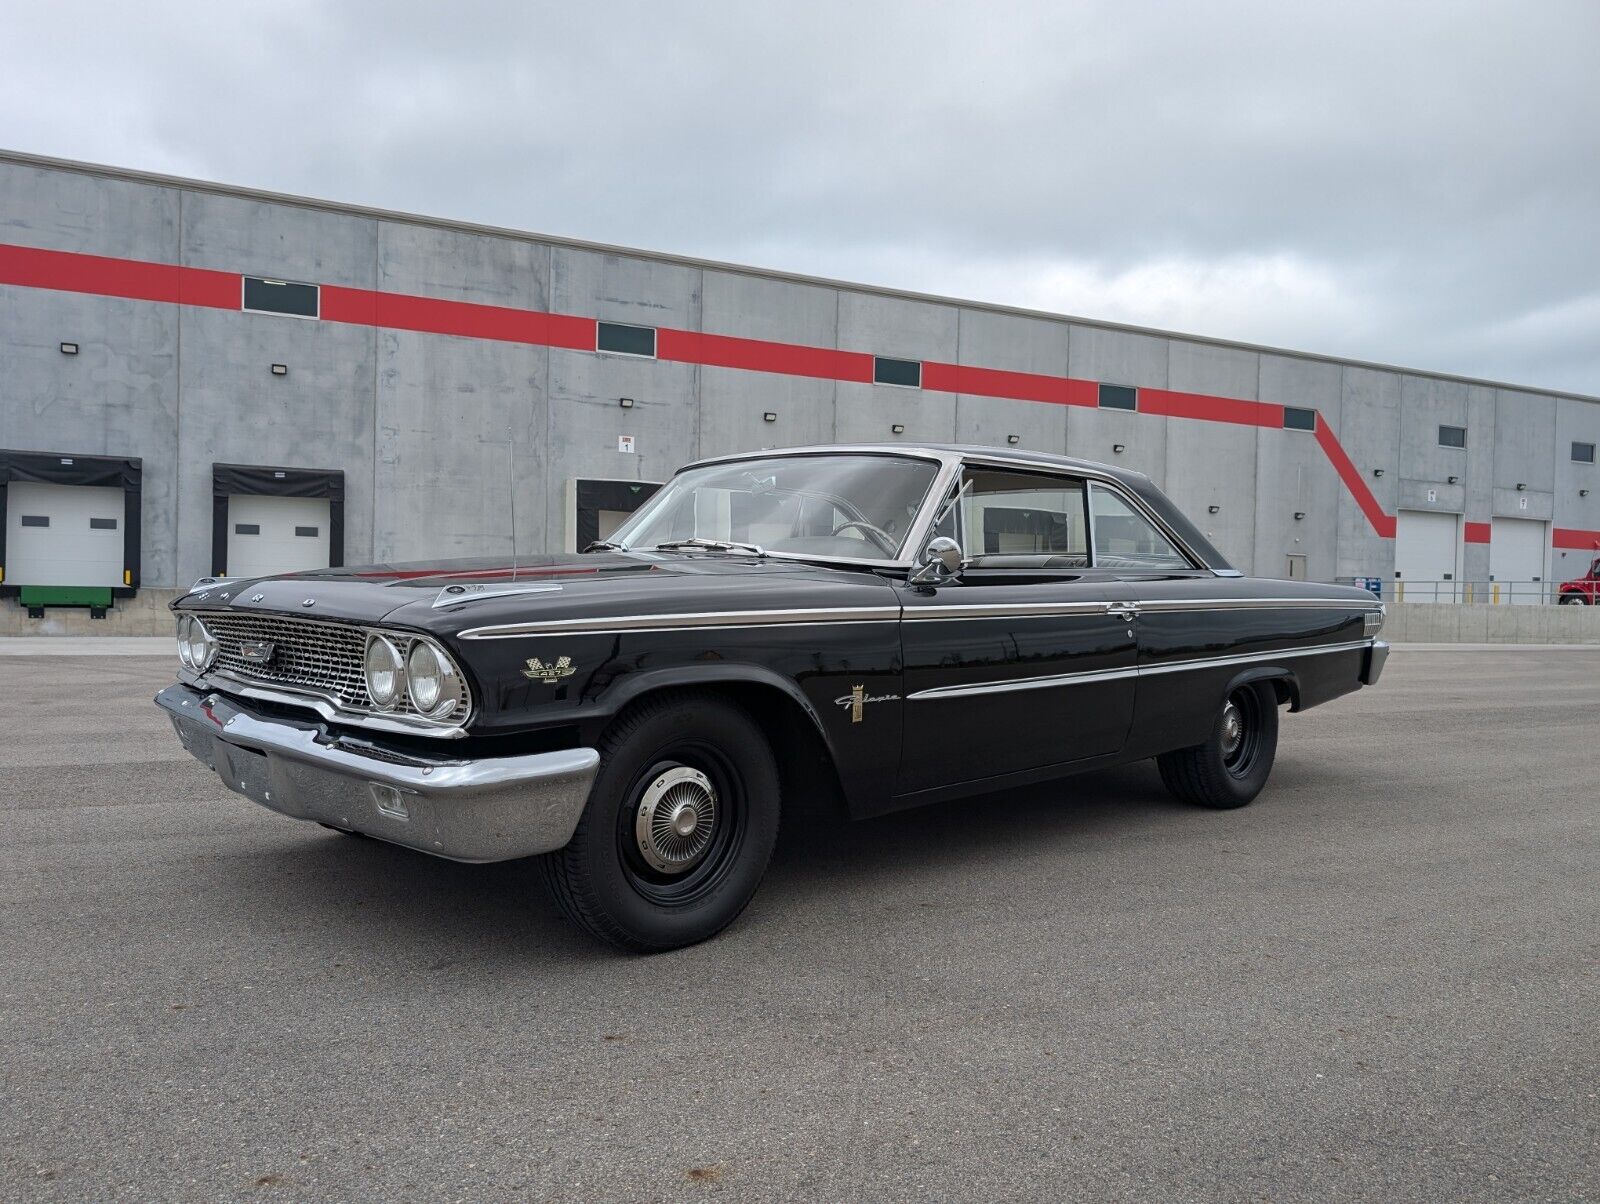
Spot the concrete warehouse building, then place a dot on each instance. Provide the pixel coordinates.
(200, 379)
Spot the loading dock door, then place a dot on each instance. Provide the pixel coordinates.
(1427, 548)
(268, 535)
(1516, 559)
(64, 535)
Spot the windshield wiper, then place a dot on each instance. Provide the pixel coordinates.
(602, 545)
(712, 545)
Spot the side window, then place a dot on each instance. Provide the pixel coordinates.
(1125, 539)
(1017, 514)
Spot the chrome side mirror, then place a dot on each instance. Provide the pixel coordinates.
(943, 562)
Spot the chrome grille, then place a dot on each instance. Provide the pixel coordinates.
(311, 655)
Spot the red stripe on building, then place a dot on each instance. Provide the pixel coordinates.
(1019, 386)
(1475, 532)
(759, 355)
(1383, 524)
(1573, 537)
(68, 271)
(1209, 409)
(431, 315)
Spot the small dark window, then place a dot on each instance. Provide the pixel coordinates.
(625, 340)
(1452, 436)
(311, 531)
(907, 373)
(247, 528)
(1583, 453)
(280, 297)
(1297, 419)
(102, 524)
(35, 520)
(1118, 397)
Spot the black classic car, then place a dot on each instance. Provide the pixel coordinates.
(897, 625)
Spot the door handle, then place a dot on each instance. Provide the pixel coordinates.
(1126, 609)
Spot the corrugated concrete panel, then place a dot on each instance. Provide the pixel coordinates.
(733, 401)
(64, 211)
(233, 410)
(899, 329)
(1479, 478)
(456, 266)
(614, 288)
(231, 234)
(117, 397)
(1425, 406)
(1292, 474)
(1524, 443)
(1214, 464)
(1576, 422)
(1011, 344)
(460, 447)
(1118, 358)
(1370, 432)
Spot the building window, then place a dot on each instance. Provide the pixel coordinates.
(35, 520)
(619, 339)
(1296, 418)
(281, 297)
(1118, 397)
(905, 373)
(1452, 436)
(247, 528)
(311, 531)
(102, 524)
(1583, 453)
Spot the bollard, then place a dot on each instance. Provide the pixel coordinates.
(1496, 589)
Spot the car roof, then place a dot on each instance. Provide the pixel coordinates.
(941, 452)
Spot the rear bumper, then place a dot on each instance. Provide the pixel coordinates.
(1372, 664)
(492, 809)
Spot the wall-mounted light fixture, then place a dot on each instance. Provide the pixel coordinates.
(898, 428)
(625, 402)
(1213, 509)
(1452, 480)
(1583, 493)
(1522, 487)
(1013, 438)
(1377, 472)
(1118, 448)
(69, 349)
(280, 369)
(769, 416)
(1299, 515)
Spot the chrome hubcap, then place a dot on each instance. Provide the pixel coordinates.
(1232, 730)
(676, 820)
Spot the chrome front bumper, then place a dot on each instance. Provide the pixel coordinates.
(492, 809)
(1372, 663)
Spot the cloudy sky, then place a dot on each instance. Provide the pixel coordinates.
(1412, 183)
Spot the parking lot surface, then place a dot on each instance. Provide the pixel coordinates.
(1378, 982)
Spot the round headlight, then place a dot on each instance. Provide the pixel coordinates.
(202, 648)
(426, 674)
(185, 623)
(385, 671)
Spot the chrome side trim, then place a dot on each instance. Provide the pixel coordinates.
(1258, 604)
(1004, 610)
(704, 619)
(1094, 675)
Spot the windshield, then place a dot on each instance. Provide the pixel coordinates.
(858, 507)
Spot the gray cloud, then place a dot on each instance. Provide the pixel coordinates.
(1414, 183)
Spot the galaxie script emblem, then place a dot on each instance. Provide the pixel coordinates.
(855, 702)
(537, 670)
(257, 652)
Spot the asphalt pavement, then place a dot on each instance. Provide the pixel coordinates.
(1378, 982)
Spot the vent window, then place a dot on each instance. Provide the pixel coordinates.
(1296, 418)
(247, 528)
(619, 339)
(1452, 436)
(311, 531)
(102, 524)
(1118, 397)
(905, 373)
(281, 297)
(1583, 453)
(35, 520)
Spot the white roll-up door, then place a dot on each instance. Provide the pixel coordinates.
(1516, 559)
(63, 534)
(268, 535)
(1427, 556)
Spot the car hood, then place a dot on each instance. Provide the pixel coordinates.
(448, 596)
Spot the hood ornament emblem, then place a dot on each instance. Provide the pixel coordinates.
(257, 597)
(309, 602)
(537, 670)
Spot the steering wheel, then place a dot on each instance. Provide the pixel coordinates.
(879, 536)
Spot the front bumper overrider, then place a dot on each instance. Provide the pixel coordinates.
(491, 809)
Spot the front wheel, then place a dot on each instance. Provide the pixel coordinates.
(678, 830)
(1573, 600)
(1231, 767)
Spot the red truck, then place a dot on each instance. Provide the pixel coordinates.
(1585, 590)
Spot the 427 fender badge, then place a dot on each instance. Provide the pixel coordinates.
(855, 702)
(537, 670)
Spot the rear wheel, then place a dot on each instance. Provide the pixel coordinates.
(1232, 766)
(678, 830)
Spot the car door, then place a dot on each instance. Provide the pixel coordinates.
(1027, 658)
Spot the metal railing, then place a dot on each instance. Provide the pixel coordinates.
(1474, 593)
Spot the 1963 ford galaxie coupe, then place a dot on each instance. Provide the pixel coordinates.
(901, 625)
